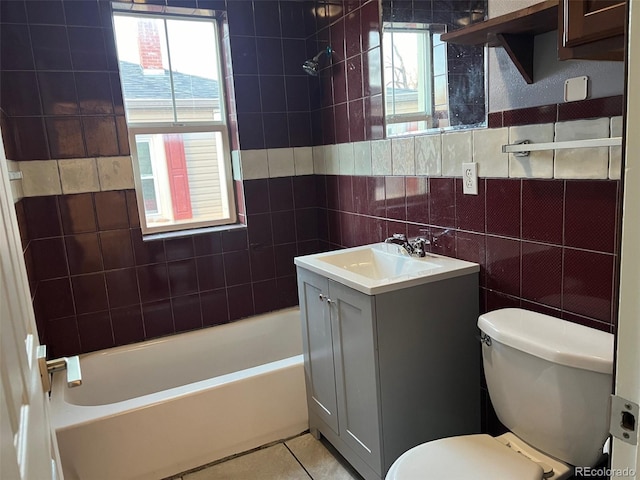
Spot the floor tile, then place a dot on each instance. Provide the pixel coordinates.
(317, 460)
(266, 464)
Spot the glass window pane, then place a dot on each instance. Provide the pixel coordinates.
(144, 159)
(387, 45)
(149, 195)
(439, 59)
(188, 183)
(407, 79)
(440, 90)
(142, 55)
(194, 64)
(406, 64)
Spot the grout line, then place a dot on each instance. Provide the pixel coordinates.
(297, 459)
(178, 476)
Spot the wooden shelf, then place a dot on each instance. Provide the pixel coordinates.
(514, 31)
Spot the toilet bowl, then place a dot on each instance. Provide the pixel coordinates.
(477, 457)
(549, 381)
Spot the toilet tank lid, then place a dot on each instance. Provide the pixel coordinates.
(550, 338)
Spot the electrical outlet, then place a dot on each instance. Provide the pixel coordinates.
(470, 178)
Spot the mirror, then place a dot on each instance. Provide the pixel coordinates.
(431, 85)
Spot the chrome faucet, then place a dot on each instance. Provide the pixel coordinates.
(419, 245)
(415, 247)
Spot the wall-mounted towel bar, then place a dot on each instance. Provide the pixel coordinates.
(522, 149)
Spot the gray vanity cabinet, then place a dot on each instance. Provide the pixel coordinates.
(387, 372)
(341, 365)
(352, 321)
(318, 347)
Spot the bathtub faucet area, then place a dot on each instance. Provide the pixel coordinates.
(49, 367)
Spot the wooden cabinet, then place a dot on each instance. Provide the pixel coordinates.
(592, 29)
(387, 372)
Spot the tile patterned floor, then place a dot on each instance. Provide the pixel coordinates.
(299, 458)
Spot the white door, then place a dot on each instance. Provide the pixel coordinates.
(628, 355)
(28, 449)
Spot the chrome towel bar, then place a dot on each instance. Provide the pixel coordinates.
(522, 149)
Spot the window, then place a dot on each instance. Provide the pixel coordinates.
(170, 71)
(415, 76)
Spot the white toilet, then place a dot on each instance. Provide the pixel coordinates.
(549, 381)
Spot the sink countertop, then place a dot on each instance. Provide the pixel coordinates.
(383, 267)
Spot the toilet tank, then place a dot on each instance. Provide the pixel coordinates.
(549, 381)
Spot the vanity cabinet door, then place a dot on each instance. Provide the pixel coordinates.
(592, 29)
(353, 325)
(319, 366)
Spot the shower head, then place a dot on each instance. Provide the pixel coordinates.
(312, 67)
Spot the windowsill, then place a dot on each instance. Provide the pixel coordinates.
(189, 233)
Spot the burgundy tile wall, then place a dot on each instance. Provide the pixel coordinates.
(97, 284)
(561, 112)
(268, 46)
(547, 245)
(60, 81)
(346, 98)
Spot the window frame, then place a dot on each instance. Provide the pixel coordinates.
(182, 127)
(425, 32)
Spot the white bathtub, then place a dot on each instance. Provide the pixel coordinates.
(154, 409)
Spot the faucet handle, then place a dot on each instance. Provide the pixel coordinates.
(419, 244)
(400, 236)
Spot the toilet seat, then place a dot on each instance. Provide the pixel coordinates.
(477, 457)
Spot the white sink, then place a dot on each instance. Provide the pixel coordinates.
(377, 263)
(383, 267)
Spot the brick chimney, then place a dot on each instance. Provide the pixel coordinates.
(149, 47)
